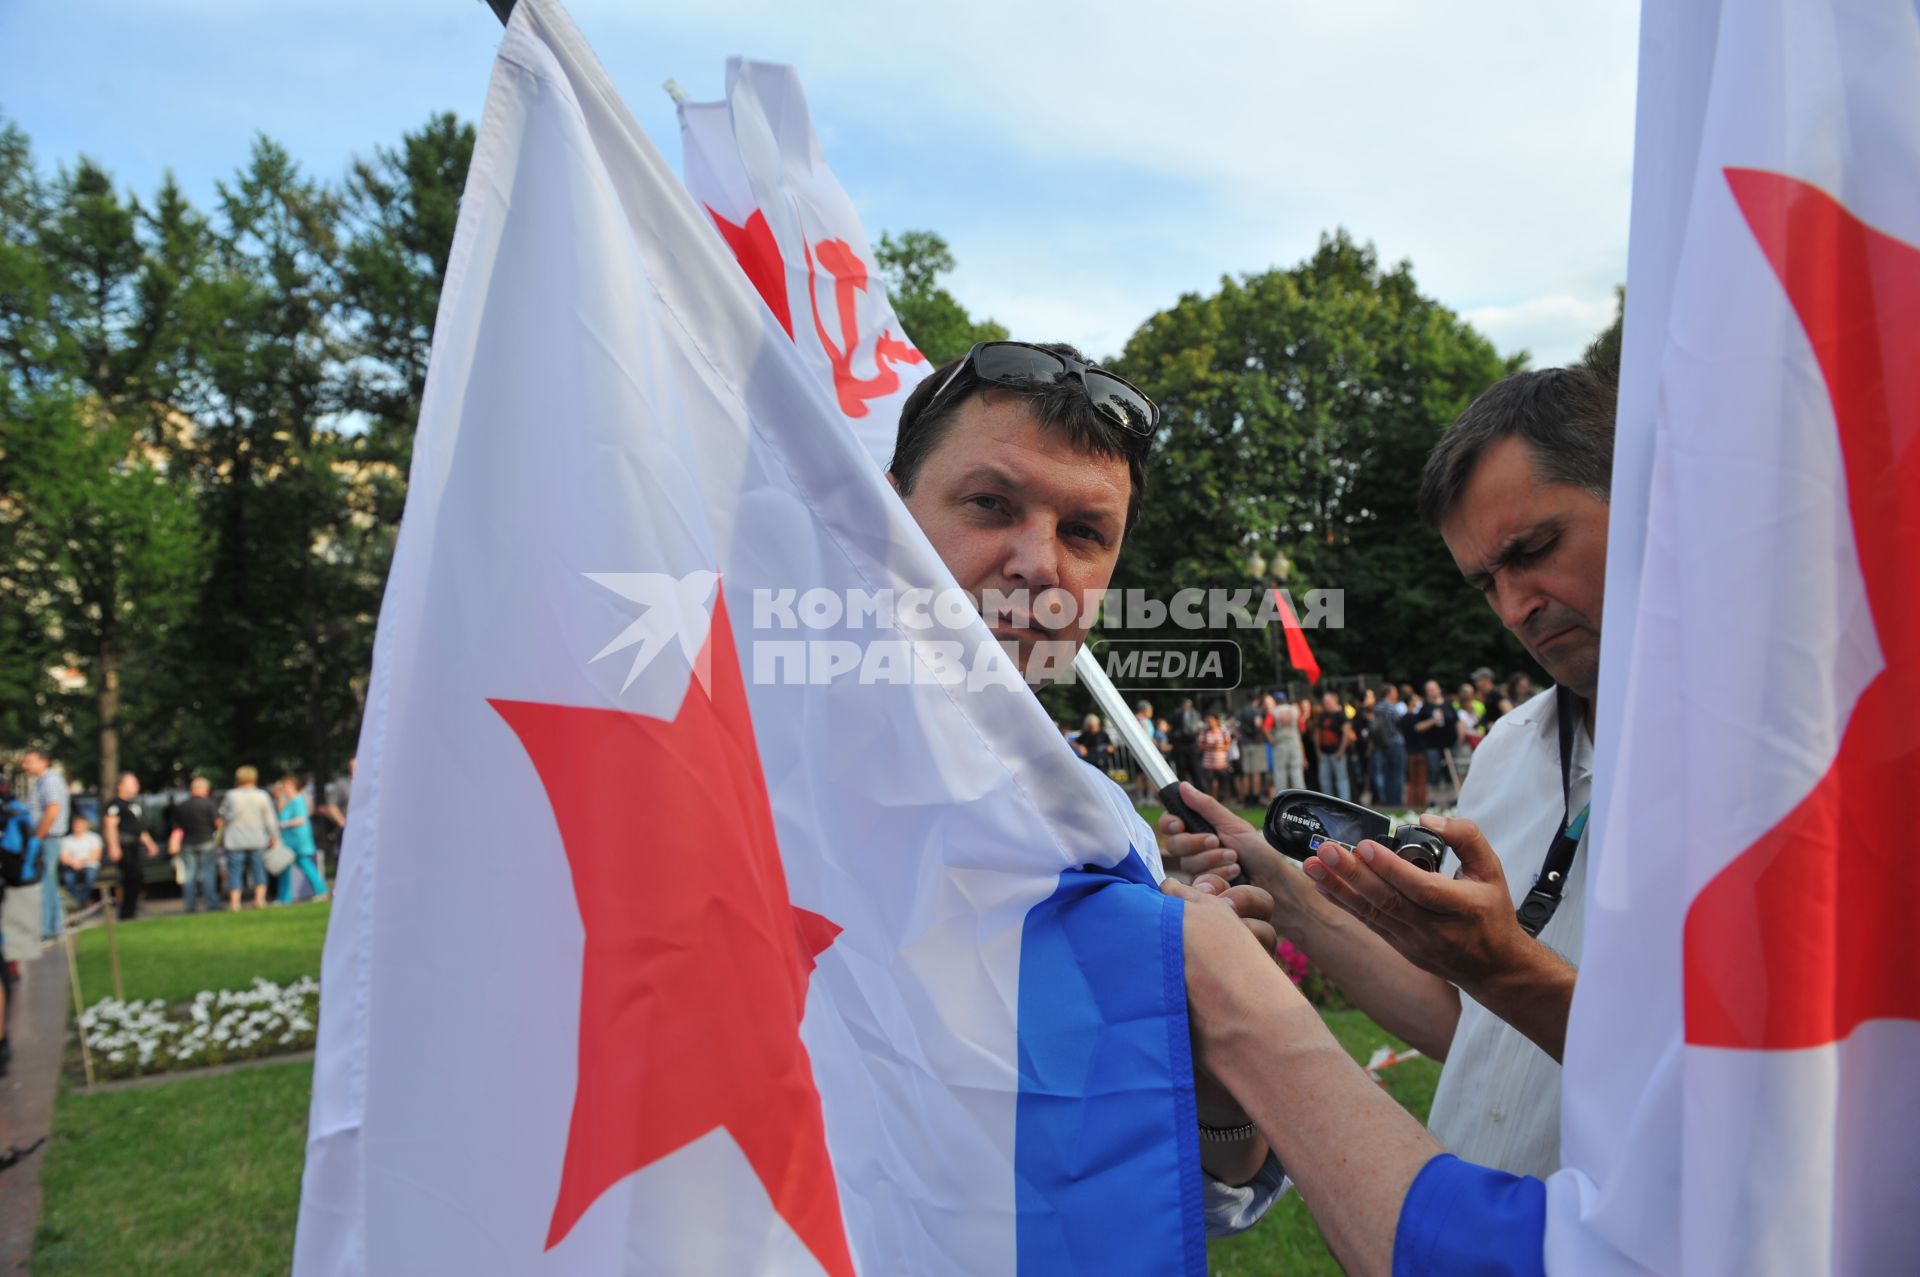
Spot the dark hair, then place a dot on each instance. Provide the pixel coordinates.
(1565, 415)
(1057, 405)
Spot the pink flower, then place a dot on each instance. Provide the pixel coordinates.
(1292, 960)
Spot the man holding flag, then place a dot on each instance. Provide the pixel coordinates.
(929, 1019)
(1738, 1097)
(1024, 464)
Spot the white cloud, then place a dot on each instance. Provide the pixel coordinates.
(1556, 329)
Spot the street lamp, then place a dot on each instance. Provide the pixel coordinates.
(1271, 574)
(1257, 566)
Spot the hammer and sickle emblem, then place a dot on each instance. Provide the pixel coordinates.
(850, 278)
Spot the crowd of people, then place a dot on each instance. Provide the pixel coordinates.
(247, 845)
(1397, 746)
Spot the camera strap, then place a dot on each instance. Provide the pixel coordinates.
(1538, 908)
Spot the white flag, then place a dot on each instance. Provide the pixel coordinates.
(714, 900)
(754, 162)
(1741, 1095)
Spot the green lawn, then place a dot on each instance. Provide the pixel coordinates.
(192, 1177)
(175, 957)
(202, 1175)
(1287, 1240)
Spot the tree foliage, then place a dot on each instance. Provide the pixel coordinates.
(207, 417)
(205, 422)
(1299, 406)
(936, 323)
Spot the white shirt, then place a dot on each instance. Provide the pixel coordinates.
(1498, 1102)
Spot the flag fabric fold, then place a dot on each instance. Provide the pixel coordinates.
(1738, 1090)
(666, 939)
(754, 162)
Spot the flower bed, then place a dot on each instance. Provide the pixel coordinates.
(131, 1038)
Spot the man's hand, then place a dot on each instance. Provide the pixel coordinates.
(1252, 905)
(1235, 853)
(1462, 929)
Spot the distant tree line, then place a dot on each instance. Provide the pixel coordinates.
(207, 417)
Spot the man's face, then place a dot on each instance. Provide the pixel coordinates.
(1013, 507)
(1538, 553)
(200, 787)
(1432, 691)
(129, 786)
(1330, 703)
(33, 764)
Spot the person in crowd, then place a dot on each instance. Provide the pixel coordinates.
(1414, 743)
(1216, 757)
(333, 811)
(1251, 728)
(1142, 785)
(1183, 730)
(1333, 738)
(1094, 744)
(1360, 755)
(129, 845)
(1467, 712)
(1519, 689)
(80, 854)
(249, 824)
(1487, 696)
(1435, 728)
(50, 811)
(1026, 485)
(192, 840)
(1289, 755)
(1518, 489)
(296, 831)
(1389, 750)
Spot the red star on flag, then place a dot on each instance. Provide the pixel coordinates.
(696, 963)
(1802, 938)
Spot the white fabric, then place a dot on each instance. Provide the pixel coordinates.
(1737, 641)
(608, 396)
(756, 152)
(1498, 1102)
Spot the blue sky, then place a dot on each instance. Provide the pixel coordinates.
(1088, 163)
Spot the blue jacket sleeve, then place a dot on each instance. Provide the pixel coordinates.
(1462, 1220)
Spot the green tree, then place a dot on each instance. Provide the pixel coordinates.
(114, 547)
(1299, 406)
(268, 683)
(1603, 352)
(102, 545)
(401, 209)
(939, 325)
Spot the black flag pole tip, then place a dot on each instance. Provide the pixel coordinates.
(502, 9)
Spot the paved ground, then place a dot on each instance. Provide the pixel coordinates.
(38, 1030)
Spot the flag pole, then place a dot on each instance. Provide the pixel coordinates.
(1087, 667)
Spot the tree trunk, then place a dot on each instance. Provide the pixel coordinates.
(317, 761)
(107, 701)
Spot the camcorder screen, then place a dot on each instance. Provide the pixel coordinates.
(1341, 826)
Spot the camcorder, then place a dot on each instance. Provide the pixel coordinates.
(1299, 820)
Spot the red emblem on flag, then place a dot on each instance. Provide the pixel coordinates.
(850, 279)
(696, 964)
(1802, 938)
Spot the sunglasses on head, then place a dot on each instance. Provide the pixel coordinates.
(1019, 365)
